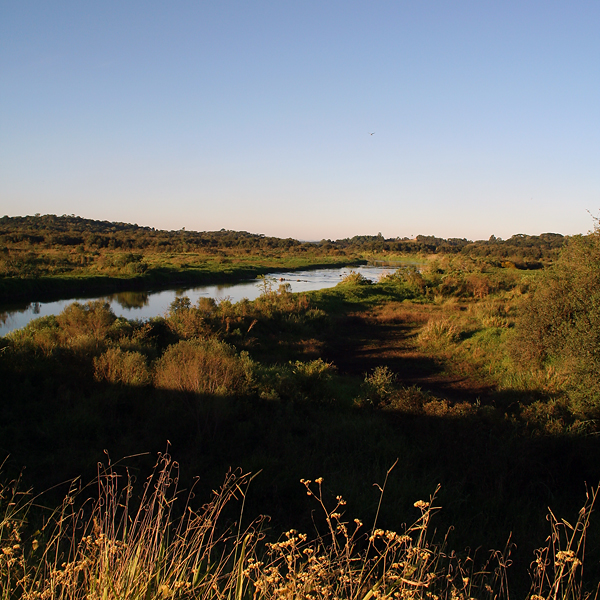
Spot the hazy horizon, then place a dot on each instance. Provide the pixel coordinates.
(258, 116)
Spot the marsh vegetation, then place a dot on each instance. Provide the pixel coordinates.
(474, 374)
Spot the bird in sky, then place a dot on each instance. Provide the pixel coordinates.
(372, 133)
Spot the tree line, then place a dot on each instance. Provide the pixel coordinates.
(71, 232)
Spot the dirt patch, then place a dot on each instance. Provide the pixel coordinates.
(386, 336)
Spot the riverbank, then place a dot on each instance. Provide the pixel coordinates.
(156, 276)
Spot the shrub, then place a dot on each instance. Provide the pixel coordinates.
(354, 278)
(204, 366)
(92, 318)
(41, 335)
(560, 322)
(478, 285)
(124, 367)
(281, 303)
(379, 386)
(187, 321)
(206, 306)
(409, 276)
(136, 268)
(297, 381)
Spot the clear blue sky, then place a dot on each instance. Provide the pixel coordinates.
(256, 115)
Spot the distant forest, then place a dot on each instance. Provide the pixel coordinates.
(69, 231)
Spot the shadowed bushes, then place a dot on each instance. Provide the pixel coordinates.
(310, 381)
(380, 389)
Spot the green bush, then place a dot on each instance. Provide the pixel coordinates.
(378, 387)
(560, 322)
(297, 381)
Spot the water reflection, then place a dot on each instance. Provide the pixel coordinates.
(148, 304)
(130, 300)
(7, 313)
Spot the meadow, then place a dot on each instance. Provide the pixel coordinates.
(430, 435)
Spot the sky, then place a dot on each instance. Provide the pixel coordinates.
(257, 115)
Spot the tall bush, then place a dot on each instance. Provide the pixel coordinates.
(92, 318)
(205, 366)
(125, 367)
(560, 323)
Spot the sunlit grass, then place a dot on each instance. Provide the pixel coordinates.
(151, 542)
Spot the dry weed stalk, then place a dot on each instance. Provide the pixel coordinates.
(557, 571)
(344, 563)
(13, 513)
(107, 551)
(110, 549)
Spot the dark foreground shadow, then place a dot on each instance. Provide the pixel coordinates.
(495, 479)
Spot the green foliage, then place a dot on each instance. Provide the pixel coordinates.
(297, 381)
(560, 323)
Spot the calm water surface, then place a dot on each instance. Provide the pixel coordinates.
(144, 305)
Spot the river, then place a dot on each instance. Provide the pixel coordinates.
(144, 305)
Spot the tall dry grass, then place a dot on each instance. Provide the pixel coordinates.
(204, 366)
(159, 546)
(108, 549)
(436, 332)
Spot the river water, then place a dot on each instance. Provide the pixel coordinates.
(144, 305)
